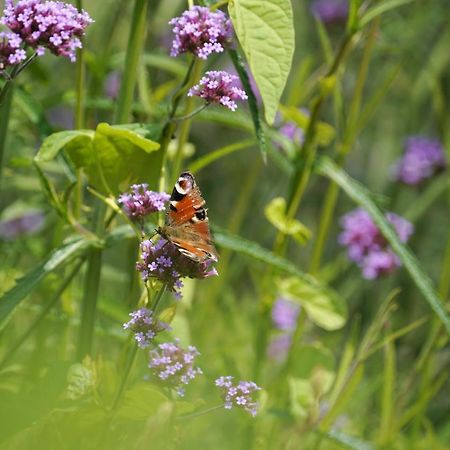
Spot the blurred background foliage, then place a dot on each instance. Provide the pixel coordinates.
(378, 381)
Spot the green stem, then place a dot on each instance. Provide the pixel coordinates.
(5, 108)
(349, 137)
(41, 315)
(306, 156)
(134, 50)
(171, 126)
(91, 289)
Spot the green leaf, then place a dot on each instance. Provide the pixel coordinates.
(112, 157)
(310, 357)
(275, 213)
(265, 31)
(141, 402)
(324, 307)
(52, 145)
(363, 197)
(24, 286)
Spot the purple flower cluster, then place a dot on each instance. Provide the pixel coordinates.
(218, 87)
(284, 318)
(423, 157)
(140, 202)
(367, 246)
(239, 395)
(174, 366)
(52, 25)
(164, 262)
(144, 326)
(11, 51)
(201, 32)
(330, 11)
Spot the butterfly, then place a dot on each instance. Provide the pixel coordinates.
(186, 223)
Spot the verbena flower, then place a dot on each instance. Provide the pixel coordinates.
(367, 246)
(144, 326)
(11, 51)
(330, 11)
(423, 158)
(284, 314)
(218, 87)
(239, 395)
(293, 132)
(201, 32)
(173, 366)
(140, 202)
(164, 262)
(52, 25)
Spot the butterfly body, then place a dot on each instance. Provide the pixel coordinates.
(186, 224)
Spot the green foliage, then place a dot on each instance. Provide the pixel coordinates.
(269, 58)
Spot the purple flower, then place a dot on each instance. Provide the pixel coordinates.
(164, 262)
(239, 395)
(217, 87)
(11, 51)
(201, 32)
(330, 11)
(173, 366)
(144, 326)
(293, 132)
(140, 201)
(367, 246)
(423, 157)
(112, 84)
(57, 26)
(28, 223)
(284, 314)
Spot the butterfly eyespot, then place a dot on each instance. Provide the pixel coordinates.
(201, 214)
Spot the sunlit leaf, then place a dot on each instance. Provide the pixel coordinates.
(324, 307)
(275, 213)
(266, 33)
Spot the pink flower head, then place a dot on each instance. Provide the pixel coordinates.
(52, 25)
(174, 366)
(423, 158)
(367, 246)
(166, 263)
(201, 32)
(218, 87)
(238, 394)
(11, 51)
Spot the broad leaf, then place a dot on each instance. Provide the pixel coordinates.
(112, 157)
(266, 33)
(363, 197)
(324, 307)
(275, 213)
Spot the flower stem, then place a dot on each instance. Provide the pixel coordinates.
(5, 108)
(199, 413)
(91, 289)
(134, 49)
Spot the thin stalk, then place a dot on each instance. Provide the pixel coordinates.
(199, 413)
(306, 156)
(79, 85)
(349, 137)
(52, 302)
(171, 126)
(185, 126)
(134, 50)
(91, 289)
(5, 108)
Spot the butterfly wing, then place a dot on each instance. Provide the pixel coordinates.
(187, 220)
